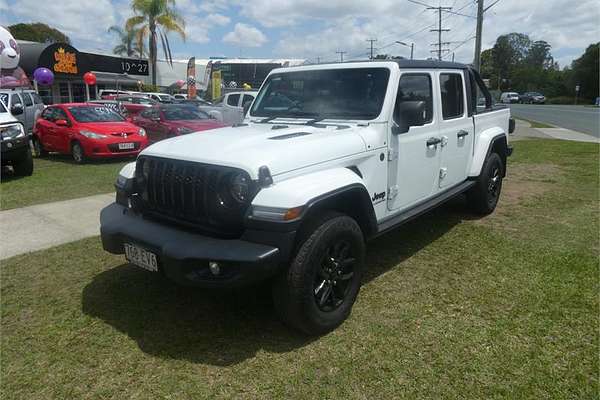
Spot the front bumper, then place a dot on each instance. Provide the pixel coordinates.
(183, 256)
(14, 150)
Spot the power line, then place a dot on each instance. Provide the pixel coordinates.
(439, 30)
(372, 41)
(341, 53)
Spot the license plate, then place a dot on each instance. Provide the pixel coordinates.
(140, 257)
(126, 146)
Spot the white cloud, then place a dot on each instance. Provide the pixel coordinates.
(211, 6)
(345, 25)
(245, 36)
(84, 19)
(218, 19)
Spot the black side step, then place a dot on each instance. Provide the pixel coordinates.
(405, 216)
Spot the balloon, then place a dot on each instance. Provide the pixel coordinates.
(180, 82)
(89, 78)
(43, 76)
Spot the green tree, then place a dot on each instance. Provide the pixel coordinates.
(156, 18)
(38, 32)
(585, 72)
(131, 42)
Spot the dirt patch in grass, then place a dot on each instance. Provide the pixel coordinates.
(525, 182)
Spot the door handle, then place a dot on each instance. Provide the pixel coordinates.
(433, 141)
(462, 134)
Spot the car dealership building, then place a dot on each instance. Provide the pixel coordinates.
(113, 72)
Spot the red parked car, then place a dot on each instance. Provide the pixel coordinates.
(87, 130)
(168, 120)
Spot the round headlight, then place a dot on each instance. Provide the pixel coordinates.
(239, 187)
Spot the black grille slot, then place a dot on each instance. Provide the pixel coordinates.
(191, 194)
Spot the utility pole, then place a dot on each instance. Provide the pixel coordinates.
(477, 57)
(372, 41)
(439, 30)
(341, 53)
(318, 60)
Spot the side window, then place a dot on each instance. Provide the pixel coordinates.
(48, 114)
(453, 99)
(27, 99)
(145, 113)
(414, 101)
(233, 100)
(15, 99)
(247, 98)
(60, 114)
(36, 98)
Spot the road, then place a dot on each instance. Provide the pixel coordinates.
(577, 118)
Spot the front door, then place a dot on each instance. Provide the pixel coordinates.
(456, 129)
(414, 158)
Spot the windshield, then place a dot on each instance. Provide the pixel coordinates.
(164, 97)
(4, 98)
(183, 113)
(95, 114)
(348, 93)
(2, 108)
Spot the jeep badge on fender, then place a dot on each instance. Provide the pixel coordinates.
(292, 194)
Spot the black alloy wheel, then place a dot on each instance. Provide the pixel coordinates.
(334, 276)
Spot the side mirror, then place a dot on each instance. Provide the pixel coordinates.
(61, 122)
(17, 109)
(410, 113)
(247, 107)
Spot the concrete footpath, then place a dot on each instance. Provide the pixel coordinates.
(46, 225)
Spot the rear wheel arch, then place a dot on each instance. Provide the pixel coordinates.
(499, 145)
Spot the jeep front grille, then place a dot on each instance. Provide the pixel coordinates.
(190, 194)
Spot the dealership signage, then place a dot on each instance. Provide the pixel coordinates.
(65, 60)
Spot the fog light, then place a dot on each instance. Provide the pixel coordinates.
(214, 267)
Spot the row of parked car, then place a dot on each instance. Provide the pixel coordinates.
(119, 125)
(525, 98)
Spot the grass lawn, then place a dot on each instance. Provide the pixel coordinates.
(452, 307)
(536, 124)
(58, 178)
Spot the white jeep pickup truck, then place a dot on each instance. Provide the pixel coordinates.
(327, 158)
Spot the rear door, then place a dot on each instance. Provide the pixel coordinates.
(29, 111)
(455, 127)
(43, 127)
(413, 163)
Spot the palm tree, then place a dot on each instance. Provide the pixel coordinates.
(131, 42)
(156, 18)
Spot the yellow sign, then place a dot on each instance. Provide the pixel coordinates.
(216, 85)
(65, 62)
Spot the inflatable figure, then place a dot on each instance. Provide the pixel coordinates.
(11, 75)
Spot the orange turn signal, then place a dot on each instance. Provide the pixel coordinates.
(292, 213)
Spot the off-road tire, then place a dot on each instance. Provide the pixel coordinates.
(483, 197)
(25, 166)
(294, 292)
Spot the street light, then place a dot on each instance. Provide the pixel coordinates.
(412, 47)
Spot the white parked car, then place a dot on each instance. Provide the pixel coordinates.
(14, 143)
(230, 108)
(328, 157)
(161, 97)
(509, 97)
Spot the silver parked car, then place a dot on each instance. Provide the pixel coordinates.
(27, 100)
(230, 108)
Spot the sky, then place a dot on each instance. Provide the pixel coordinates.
(316, 29)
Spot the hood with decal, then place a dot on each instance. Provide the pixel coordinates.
(282, 148)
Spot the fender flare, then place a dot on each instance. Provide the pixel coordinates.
(493, 139)
(336, 189)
